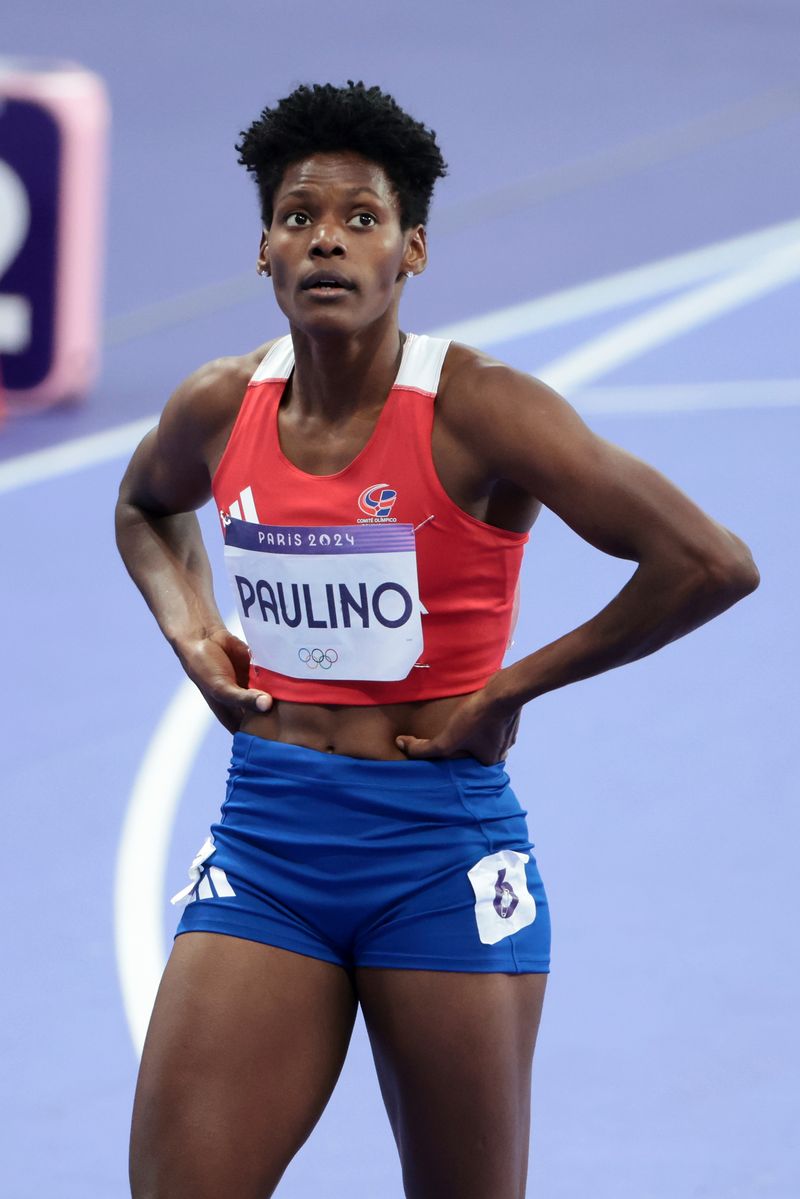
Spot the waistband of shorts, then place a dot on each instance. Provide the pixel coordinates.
(318, 766)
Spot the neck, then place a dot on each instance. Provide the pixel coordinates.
(334, 377)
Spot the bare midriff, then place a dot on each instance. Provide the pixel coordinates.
(355, 731)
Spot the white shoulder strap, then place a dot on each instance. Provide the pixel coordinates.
(277, 363)
(421, 367)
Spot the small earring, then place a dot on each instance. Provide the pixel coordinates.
(409, 274)
(263, 270)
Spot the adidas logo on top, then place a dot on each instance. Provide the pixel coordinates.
(245, 507)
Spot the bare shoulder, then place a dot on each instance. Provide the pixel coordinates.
(204, 406)
(523, 432)
(510, 419)
(476, 384)
(172, 468)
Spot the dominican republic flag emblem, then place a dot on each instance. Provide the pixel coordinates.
(377, 500)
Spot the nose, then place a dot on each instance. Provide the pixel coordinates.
(327, 242)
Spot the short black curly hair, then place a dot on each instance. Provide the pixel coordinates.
(321, 118)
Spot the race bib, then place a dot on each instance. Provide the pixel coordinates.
(339, 602)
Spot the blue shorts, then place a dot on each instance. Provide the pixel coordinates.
(416, 865)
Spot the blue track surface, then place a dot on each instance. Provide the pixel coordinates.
(585, 140)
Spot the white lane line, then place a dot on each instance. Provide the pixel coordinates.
(626, 287)
(667, 321)
(663, 398)
(486, 331)
(140, 877)
(73, 455)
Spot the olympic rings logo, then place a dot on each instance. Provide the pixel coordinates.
(312, 658)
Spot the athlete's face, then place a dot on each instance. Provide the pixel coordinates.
(335, 249)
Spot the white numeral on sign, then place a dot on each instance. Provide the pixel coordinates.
(15, 221)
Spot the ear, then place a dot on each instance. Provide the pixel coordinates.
(262, 262)
(415, 258)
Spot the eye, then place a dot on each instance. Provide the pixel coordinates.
(363, 220)
(296, 220)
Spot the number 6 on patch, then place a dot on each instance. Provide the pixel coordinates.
(503, 903)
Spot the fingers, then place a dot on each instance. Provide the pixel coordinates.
(220, 665)
(239, 654)
(419, 747)
(256, 701)
(230, 707)
(238, 698)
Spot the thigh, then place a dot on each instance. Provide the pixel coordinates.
(454, 1053)
(244, 1048)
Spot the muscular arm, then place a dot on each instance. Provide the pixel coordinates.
(689, 568)
(164, 553)
(159, 538)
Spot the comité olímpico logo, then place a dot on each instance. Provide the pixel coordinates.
(376, 502)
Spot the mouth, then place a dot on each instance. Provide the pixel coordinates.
(327, 284)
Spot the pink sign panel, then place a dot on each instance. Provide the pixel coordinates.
(54, 120)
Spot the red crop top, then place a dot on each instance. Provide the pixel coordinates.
(368, 586)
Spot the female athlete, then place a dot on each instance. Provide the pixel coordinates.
(375, 491)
